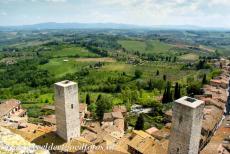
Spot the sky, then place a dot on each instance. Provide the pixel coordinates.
(205, 13)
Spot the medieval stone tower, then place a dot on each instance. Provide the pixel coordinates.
(67, 110)
(186, 126)
(228, 101)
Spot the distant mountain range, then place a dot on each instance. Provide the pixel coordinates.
(54, 25)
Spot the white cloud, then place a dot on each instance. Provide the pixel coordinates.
(3, 13)
(153, 12)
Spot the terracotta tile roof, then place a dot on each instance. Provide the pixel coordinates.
(151, 130)
(7, 106)
(107, 117)
(141, 133)
(119, 108)
(120, 124)
(117, 115)
(110, 116)
(162, 134)
(143, 145)
(90, 136)
(215, 81)
(50, 119)
(82, 107)
(212, 115)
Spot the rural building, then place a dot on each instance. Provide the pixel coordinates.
(186, 126)
(67, 110)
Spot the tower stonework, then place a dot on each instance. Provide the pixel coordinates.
(228, 100)
(67, 110)
(186, 126)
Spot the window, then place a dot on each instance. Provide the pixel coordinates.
(177, 150)
(71, 106)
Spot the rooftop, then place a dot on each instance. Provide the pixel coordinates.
(7, 106)
(190, 102)
(119, 108)
(65, 83)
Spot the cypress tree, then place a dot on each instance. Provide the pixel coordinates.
(157, 73)
(98, 98)
(87, 99)
(177, 91)
(164, 99)
(167, 96)
(204, 80)
(164, 77)
(140, 122)
(150, 83)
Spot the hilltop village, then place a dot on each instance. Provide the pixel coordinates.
(199, 124)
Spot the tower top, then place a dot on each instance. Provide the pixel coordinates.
(65, 83)
(188, 101)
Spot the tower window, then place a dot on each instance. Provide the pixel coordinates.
(177, 150)
(71, 106)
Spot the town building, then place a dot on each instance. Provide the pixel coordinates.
(141, 142)
(114, 119)
(67, 110)
(11, 108)
(120, 108)
(83, 112)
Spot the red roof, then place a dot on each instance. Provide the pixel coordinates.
(7, 106)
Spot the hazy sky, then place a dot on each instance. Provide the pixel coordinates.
(211, 13)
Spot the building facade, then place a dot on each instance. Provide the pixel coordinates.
(186, 126)
(67, 110)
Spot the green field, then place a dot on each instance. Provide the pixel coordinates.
(189, 57)
(71, 52)
(147, 46)
(62, 66)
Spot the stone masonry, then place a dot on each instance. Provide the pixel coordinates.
(186, 126)
(67, 110)
(228, 101)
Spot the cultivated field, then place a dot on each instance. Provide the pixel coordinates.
(96, 60)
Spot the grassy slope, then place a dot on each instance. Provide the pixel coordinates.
(58, 67)
(149, 46)
(71, 51)
(189, 57)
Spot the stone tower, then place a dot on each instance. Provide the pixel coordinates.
(67, 110)
(186, 126)
(228, 101)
